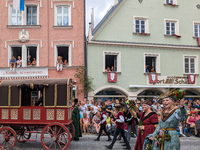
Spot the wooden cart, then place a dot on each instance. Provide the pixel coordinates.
(39, 106)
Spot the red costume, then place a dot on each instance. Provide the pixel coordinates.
(118, 124)
(149, 123)
(101, 118)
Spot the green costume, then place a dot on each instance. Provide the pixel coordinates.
(76, 123)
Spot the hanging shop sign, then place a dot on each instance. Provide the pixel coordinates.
(23, 73)
(112, 77)
(153, 78)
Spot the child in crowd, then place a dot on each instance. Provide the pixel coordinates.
(96, 121)
(86, 123)
(108, 122)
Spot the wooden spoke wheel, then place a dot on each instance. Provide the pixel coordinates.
(71, 130)
(55, 135)
(21, 135)
(7, 137)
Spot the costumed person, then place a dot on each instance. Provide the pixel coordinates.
(120, 126)
(131, 119)
(147, 123)
(165, 136)
(103, 125)
(76, 120)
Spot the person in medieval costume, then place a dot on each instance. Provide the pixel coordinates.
(76, 120)
(102, 123)
(165, 136)
(120, 126)
(147, 123)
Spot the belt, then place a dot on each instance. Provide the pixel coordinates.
(163, 135)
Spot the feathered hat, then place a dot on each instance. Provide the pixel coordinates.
(169, 94)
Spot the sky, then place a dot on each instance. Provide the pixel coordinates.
(100, 9)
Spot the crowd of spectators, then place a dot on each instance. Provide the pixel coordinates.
(17, 63)
(90, 114)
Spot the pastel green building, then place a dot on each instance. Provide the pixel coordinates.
(143, 41)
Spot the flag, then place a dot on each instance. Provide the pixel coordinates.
(18, 5)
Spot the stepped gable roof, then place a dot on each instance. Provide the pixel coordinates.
(106, 17)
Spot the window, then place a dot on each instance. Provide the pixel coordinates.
(63, 52)
(15, 16)
(16, 51)
(152, 63)
(74, 91)
(169, 1)
(141, 25)
(32, 56)
(171, 27)
(31, 15)
(62, 16)
(190, 64)
(112, 60)
(197, 30)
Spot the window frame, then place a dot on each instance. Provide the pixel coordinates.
(69, 53)
(157, 55)
(10, 16)
(55, 14)
(37, 54)
(176, 21)
(196, 64)
(174, 2)
(196, 23)
(25, 14)
(146, 19)
(118, 53)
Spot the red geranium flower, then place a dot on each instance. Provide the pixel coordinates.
(183, 93)
(132, 105)
(176, 94)
(160, 136)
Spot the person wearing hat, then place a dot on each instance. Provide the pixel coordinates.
(191, 121)
(147, 122)
(197, 106)
(120, 126)
(196, 113)
(102, 123)
(170, 119)
(76, 120)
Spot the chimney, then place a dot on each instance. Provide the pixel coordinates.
(92, 19)
(116, 2)
(90, 32)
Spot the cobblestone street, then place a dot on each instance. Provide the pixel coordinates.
(87, 143)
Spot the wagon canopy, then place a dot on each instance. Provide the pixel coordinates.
(49, 92)
(34, 81)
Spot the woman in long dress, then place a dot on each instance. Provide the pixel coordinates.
(147, 124)
(165, 136)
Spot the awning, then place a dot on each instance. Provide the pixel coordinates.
(163, 86)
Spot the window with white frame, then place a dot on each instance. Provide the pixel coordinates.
(74, 91)
(190, 64)
(171, 27)
(197, 29)
(112, 61)
(62, 15)
(152, 63)
(141, 24)
(64, 53)
(31, 15)
(169, 1)
(31, 55)
(15, 16)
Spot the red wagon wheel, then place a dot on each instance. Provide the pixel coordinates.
(21, 135)
(55, 135)
(7, 137)
(71, 130)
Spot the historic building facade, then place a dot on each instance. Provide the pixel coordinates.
(149, 45)
(45, 30)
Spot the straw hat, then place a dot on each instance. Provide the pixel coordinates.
(196, 110)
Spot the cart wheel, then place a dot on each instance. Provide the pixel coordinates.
(71, 130)
(55, 135)
(21, 135)
(7, 137)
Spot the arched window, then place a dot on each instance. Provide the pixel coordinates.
(149, 94)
